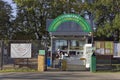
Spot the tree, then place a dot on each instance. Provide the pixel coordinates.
(32, 14)
(31, 18)
(5, 20)
(106, 16)
(58, 7)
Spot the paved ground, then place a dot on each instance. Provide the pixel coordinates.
(61, 75)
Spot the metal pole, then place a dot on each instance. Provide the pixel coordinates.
(68, 6)
(92, 40)
(91, 35)
(2, 49)
(51, 50)
(46, 52)
(0, 55)
(68, 46)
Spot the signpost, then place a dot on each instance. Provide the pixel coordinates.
(41, 52)
(69, 17)
(41, 60)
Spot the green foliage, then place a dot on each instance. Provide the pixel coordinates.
(106, 16)
(30, 22)
(32, 15)
(5, 20)
(116, 22)
(31, 19)
(19, 70)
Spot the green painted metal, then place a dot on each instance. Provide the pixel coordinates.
(41, 52)
(69, 17)
(93, 63)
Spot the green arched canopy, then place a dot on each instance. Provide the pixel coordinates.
(69, 17)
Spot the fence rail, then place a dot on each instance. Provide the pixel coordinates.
(7, 60)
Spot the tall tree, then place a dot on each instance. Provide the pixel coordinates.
(31, 18)
(32, 14)
(5, 20)
(106, 16)
(58, 7)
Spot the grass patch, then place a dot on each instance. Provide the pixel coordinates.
(109, 71)
(19, 70)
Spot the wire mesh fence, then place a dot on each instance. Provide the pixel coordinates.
(20, 53)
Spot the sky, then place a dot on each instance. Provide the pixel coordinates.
(13, 6)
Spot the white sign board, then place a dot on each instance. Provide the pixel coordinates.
(116, 49)
(20, 50)
(87, 54)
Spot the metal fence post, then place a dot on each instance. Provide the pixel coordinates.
(93, 63)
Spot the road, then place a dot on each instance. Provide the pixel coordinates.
(61, 75)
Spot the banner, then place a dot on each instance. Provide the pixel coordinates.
(109, 47)
(20, 50)
(116, 49)
(104, 47)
